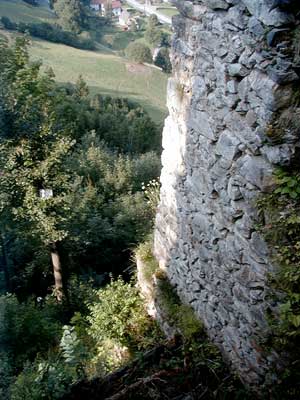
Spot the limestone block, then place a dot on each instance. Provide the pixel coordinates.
(228, 145)
(255, 170)
(261, 9)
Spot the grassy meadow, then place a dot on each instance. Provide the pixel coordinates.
(104, 70)
(19, 11)
(107, 74)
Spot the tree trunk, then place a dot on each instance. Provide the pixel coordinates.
(57, 272)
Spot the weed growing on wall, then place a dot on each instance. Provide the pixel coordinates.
(281, 228)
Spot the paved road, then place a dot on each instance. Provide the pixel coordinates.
(150, 10)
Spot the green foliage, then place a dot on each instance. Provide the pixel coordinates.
(6, 375)
(80, 291)
(97, 212)
(144, 252)
(122, 125)
(43, 380)
(154, 34)
(282, 230)
(163, 60)
(73, 350)
(27, 329)
(288, 183)
(119, 316)
(106, 202)
(139, 52)
(153, 21)
(71, 14)
(94, 156)
(179, 315)
(8, 24)
(152, 194)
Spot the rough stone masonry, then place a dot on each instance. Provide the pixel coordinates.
(234, 80)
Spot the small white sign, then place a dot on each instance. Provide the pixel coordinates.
(46, 193)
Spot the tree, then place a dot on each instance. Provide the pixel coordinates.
(33, 150)
(81, 89)
(154, 36)
(71, 14)
(153, 21)
(162, 60)
(139, 52)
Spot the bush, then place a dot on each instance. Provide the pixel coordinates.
(43, 380)
(139, 52)
(27, 329)
(120, 316)
(144, 252)
(8, 24)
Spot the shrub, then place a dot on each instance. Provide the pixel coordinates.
(139, 52)
(119, 316)
(152, 194)
(144, 252)
(42, 379)
(27, 329)
(8, 24)
(281, 229)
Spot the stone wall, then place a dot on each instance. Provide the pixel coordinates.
(231, 109)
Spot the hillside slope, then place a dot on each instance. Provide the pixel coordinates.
(104, 71)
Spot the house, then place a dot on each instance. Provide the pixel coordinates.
(128, 22)
(124, 18)
(96, 5)
(107, 6)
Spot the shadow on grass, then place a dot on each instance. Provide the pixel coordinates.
(42, 44)
(156, 113)
(118, 40)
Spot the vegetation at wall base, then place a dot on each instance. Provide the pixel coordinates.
(281, 228)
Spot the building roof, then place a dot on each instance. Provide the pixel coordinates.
(116, 4)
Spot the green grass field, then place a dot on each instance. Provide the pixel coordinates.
(169, 12)
(17, 11)
(104, 71)
(107, 74)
